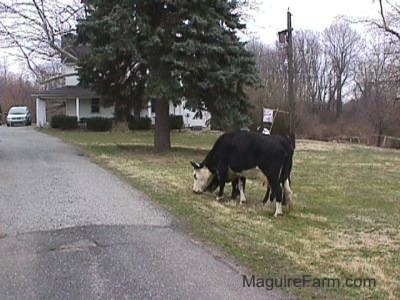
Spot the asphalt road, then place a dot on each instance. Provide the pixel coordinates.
(71, 230)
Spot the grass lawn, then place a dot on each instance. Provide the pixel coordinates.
(345, 224)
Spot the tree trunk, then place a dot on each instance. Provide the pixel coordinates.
(339, 97)
(162, 140)
(378, 144)
(330, 99)
(136, 110)
(138, 103)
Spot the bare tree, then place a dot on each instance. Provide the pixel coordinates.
(273, 72)
(389, 18)
(33, 31)
(342, 44)
(14, 90)
(376, 84)
(311, 69)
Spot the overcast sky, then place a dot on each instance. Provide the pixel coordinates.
(307, 14)
(270, 17)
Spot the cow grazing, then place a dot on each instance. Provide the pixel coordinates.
(249, 155)
(235, 184)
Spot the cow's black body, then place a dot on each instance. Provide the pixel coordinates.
(242, 150)
(235, 185)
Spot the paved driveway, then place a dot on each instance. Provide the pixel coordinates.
(71, 230)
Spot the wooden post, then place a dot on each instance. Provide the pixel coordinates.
(291, 102)
(77, 107)
(273, 119)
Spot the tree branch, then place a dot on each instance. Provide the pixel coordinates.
(58, 77)
(385, 25)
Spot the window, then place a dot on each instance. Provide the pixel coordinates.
(153, 105)
(95, 105)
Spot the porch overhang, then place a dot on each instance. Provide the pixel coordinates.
(66, 92)
(60, 94)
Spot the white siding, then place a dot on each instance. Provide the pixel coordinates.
(85, 107)
(70, 80)
(70, 108)
(189, 119)
(41, 117)
(86, 110)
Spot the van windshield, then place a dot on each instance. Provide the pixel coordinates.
(17, 110)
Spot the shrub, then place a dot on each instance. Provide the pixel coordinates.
(217, 124)
(99, 124)
(140, 124)
(176, 122)
(64, 122)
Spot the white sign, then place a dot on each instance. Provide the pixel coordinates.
(268, 115)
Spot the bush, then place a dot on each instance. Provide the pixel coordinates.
(99, 124)
(141, 124)
(64, 122)
(176, 122)
(218, 124)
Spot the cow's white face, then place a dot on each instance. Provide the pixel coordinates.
(202, 178)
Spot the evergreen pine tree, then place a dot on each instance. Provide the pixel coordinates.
(166, 50)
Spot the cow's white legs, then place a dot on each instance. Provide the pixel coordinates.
(288, 194)
(219, 198)
(242, 196)
(278, 210)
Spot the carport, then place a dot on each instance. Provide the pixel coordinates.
(63, 94)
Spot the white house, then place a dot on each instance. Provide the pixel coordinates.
(84, 103)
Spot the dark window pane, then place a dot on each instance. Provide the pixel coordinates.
(95, 105)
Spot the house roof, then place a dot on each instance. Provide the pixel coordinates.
(66, 92)
(69, 43)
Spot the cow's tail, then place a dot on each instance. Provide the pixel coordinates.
(285, 176)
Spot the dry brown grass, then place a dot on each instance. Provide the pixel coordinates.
(345, 222)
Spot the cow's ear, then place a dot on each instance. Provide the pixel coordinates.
(195, 165)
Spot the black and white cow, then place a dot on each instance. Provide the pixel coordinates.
(235, 184)
(249, 155)
(234, 181)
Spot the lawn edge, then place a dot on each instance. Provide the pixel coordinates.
(180, 225)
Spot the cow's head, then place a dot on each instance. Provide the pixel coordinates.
(214, 183)
(202, 177)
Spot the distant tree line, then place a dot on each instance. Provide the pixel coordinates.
(15, 90)
(345, 84)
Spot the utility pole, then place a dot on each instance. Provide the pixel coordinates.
(291, 102)
(285, 37)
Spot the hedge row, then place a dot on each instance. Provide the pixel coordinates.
(64, 122)
(99, 124)
(176, 122)
(67, 122)
(140, 124)
(105, 124)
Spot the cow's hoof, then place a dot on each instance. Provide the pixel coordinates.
(278, 209)
(219, 198)
(242, 203)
